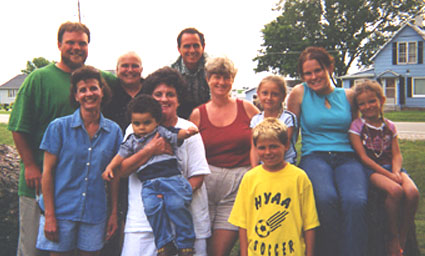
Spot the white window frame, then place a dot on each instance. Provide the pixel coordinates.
(408, 58)
(11, 93)
(413, 87)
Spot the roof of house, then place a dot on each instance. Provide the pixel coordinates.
(418, 30)
(14, 83)
(17, 81)
(363, 73)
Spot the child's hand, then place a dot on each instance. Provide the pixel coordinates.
(108, 174)
(396, 178)
(192, 131)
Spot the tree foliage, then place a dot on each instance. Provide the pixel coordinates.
(348, 29)
(35, 63)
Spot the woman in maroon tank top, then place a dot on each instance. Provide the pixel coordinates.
(223, 123)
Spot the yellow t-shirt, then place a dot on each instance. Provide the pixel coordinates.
(275, 208)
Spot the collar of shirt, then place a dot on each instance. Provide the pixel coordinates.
(77, 121)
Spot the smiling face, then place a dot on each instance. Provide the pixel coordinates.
(191, 50)
(270, 96)
(89, 94)
(220, 85)
(370, 105)
(74, 49)
(129, 69)
(143, 123)
(316, 77)
(167, 98)
(271, 153)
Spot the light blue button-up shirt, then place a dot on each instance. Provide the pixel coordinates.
(79, 190)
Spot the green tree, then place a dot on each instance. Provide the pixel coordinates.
(35, 63)
(348, 29)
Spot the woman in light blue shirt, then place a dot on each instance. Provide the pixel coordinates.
(340, 185)
(77, 148)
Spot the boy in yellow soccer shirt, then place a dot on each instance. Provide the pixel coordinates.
(275, 208)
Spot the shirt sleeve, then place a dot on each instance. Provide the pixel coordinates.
(289, 119)
(392, 127)
(356, 126)
(52, 138)
(23, 114)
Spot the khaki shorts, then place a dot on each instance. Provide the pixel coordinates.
(222, 186)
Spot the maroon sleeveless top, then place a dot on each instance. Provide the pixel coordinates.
(227, 146)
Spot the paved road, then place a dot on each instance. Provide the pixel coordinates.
(406, 130)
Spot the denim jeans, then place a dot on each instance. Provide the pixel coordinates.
(340, 188)
(173, 206)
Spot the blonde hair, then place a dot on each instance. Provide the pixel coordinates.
(372, 86)
(270, 128)
(220, 66)
(278, 80)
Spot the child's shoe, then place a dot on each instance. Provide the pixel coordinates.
(186, 252)
(168, 250)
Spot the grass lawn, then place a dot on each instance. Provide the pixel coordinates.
(2, 111)
(5, 135)
(406, 116)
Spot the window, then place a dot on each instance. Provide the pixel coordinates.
(12, 93)
(407, 53)
(418, 87)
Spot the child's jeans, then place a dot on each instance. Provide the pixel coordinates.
(172, 206)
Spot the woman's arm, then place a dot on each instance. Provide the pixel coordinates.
(253, 156)
(195, 117)
(295, 99)
(243, 242)
(309, 238)
(113, 217)
(349, 93)
(196, 182)
(156, 146)
(250, 109)
(47, 186)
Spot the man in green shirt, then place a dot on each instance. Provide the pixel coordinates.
(43, 96)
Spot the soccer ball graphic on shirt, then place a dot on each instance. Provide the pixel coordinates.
(263, 228)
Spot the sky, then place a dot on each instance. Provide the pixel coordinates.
(232, 28)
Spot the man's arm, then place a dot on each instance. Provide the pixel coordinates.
(32, 170)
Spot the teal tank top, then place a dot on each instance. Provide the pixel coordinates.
(322, 128)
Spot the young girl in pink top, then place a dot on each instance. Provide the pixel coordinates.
(375, 141)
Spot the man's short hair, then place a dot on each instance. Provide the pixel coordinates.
(270, 128)
(72, 27)
(190, 31)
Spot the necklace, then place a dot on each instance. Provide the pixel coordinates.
(376, 152)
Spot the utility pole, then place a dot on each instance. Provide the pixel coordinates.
(79, 13)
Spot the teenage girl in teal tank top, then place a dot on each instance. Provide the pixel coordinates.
(339, 183)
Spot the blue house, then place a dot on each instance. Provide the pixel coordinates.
(399, 67)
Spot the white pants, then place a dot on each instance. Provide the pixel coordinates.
(143, 243)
